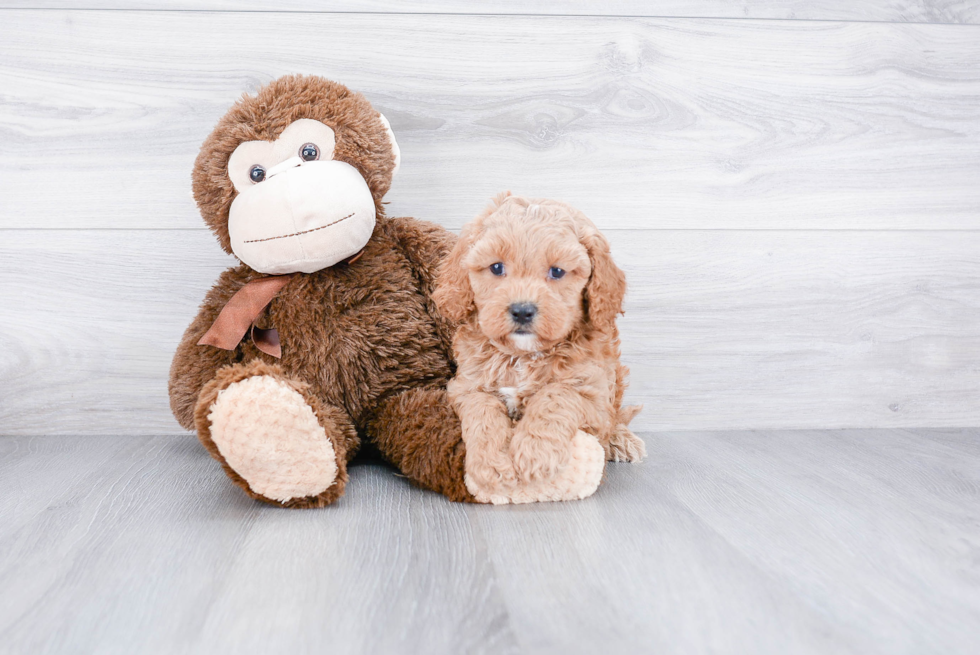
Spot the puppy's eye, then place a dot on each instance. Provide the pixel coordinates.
(256, 174)
(556, 273)
(309, 152)
(497, 269)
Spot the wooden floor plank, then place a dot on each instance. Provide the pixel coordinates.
(667, 123)
(403, 562)
(851, 519)
(859, 541)
(115, 537)
(634, 571)
(159, 553)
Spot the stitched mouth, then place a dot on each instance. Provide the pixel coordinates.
(296, 234)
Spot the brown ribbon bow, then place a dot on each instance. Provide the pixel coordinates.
(238, 316)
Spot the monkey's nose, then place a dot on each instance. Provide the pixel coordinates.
(292, 162)
(523, 312)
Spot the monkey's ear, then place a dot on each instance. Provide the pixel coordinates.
(394, 144)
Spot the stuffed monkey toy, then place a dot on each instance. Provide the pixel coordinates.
(326, 334)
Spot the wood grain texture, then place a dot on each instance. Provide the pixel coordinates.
(141, 545)
(857, 542)
(643, 123)
(722, 329)
(759, 542)
(911, 11)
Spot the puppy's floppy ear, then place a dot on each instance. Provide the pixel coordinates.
(454, 295)
(499, 199)
(607, 284)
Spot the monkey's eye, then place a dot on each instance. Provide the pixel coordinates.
(309, 152)
(497, 269)
(556, 273)
(256, 174)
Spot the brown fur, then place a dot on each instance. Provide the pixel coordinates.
(405, 426)
(527, 396)
(362, 342)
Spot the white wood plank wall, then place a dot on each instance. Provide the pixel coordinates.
(793, 187)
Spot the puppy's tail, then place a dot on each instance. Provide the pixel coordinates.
(627, 414)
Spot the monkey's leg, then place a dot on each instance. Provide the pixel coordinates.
(275, 439)
(418, 431)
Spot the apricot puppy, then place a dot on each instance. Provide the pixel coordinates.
(539, 384)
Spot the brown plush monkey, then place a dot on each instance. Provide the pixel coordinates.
(326, 333)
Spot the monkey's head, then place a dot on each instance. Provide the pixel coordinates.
(291, 179)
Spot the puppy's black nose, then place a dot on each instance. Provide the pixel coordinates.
(523, 312)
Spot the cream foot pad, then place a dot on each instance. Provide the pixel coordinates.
(270, 436)
(578, 479)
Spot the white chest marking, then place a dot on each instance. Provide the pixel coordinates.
(509, 394)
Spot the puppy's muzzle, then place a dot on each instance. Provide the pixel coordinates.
(522, 313)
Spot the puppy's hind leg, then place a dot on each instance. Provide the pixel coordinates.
(624, 446)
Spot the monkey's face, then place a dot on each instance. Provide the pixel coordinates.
(292, 178)
(297, 209)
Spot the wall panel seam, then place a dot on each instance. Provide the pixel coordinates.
(485, 15)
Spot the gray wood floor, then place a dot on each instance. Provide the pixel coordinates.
(722, 542)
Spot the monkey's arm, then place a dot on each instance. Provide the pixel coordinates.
(426, 245)
(194, 366)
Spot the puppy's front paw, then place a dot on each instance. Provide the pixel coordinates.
(538, 457)
(489, 471)
(577, 479)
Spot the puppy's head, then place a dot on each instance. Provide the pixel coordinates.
(529, 272)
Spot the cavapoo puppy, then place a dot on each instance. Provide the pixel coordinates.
(539, 385)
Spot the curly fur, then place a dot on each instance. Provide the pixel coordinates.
(362, 342)
(522, 397)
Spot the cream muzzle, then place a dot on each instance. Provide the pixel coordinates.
(303, 216)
